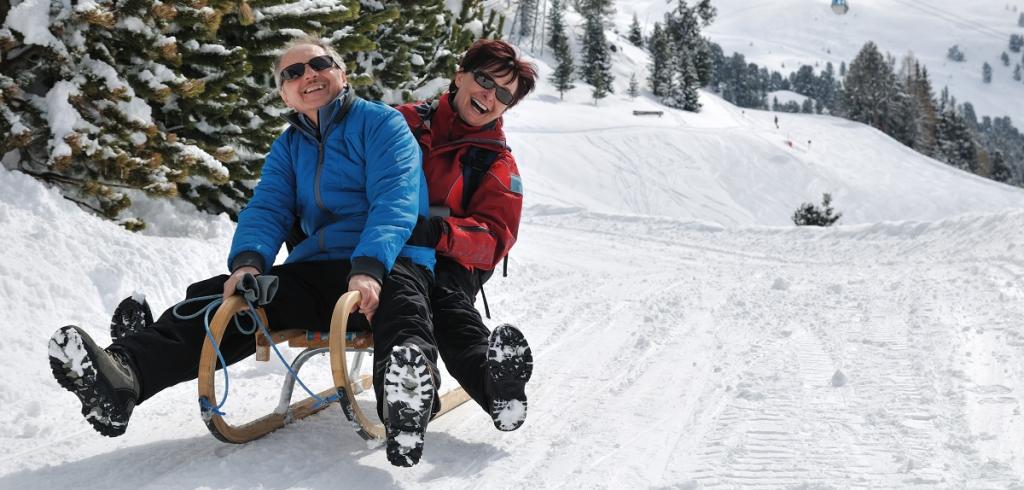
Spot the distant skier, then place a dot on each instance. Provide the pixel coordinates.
(776, 122)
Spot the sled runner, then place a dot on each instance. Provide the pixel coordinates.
(347, 382)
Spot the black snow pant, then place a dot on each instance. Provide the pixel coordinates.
(460, 331)
(167, 352)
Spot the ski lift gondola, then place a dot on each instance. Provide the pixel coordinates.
(840, 7)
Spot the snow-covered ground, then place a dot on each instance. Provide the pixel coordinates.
(685, 334)
(784, 34)
(679, 341)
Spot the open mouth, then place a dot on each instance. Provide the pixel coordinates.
(313, 88)
(478, 106)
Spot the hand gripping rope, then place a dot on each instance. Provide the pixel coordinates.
(258, 290)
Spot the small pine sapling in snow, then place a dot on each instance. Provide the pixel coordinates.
(809, 214)
(954, 54)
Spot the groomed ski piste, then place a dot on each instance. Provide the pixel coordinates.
(685, 334)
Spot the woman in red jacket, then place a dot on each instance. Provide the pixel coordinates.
(476, 199)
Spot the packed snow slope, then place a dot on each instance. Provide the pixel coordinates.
(784, 34)
(685, 334)
(668, 353)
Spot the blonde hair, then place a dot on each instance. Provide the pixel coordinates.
(305, 40)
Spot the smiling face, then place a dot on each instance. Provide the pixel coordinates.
(476, 105)
(313, 89)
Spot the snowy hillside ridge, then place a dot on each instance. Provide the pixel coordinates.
(784, 34)
(727, 165)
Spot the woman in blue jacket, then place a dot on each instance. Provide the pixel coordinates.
(350, 171)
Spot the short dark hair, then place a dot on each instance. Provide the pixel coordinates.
(499, 58)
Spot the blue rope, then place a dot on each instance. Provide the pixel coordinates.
(215, 301)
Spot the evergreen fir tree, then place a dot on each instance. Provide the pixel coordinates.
(1016, 42)
(954, 54)
(986, 73)
(1005, 58)
(1020, 20)
(691, 65)
(807, 107)
(870, 92)
(634, 86)
(414, 44)
(810, 215)
(660, 78)
(131, 107)
(526, 15)
(999, 171)
(636, 35)
(955, 142)
(842, 69)
(559, 44)
(597, 63)
(1017, 72)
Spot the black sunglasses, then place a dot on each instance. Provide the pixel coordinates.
(317, 63)
(485, 81)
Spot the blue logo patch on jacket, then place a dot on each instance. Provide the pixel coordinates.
(517, 185)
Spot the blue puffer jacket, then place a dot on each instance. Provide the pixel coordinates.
(356, 183)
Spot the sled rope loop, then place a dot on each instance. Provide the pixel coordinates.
(215, 301)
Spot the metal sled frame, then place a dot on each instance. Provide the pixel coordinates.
(347, 383)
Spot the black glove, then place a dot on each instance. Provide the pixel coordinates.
(427, 232)
(257, 289)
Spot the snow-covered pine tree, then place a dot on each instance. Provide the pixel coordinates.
(807, 107)
(826, 89)
(660, 78)
(682, 28)
(1017, 72)
(526, 15)
(634, 86)
(415, 45)
(636, 35)
(986, 72)
(870, 89)
(1016, 42)
(954, 54)
(809, 214)
(597, 62)
(146, 96)
(998, 170)
(955, 141)
(559, 44)
(1020, 20)
(1005, 58)
(804, 82)
(925, 110)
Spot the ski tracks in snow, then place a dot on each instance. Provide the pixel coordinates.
(715, 359)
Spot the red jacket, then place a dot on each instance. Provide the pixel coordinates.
(479, 236)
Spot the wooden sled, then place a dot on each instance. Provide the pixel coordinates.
(347, 382)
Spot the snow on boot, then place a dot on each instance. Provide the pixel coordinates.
(509, 366)
(409, 399)
(130, 316)
(102, 380)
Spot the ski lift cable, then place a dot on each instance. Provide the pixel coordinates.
(955, 19)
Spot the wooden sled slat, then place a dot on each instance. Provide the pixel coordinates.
(366, 428)
(339, 342)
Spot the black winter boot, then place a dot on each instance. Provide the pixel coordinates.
(409, 394)
(509, 366)
(102, 380)
(130, 316)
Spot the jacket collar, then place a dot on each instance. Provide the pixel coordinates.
(325, 114)
(447, 127)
